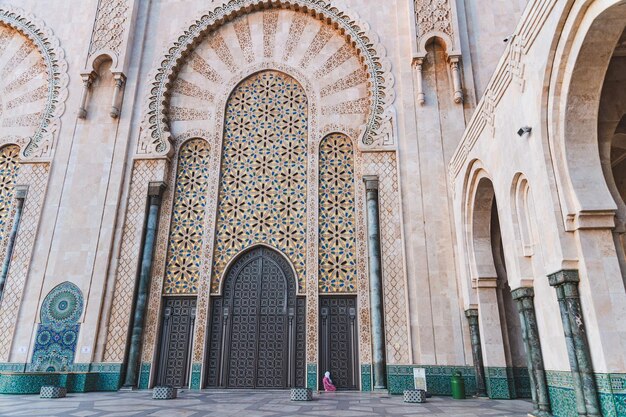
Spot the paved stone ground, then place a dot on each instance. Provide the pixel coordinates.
(252, 404)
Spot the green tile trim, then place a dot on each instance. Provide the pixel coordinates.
(311, 376)
(12, 367)
(15, 379)
(611, 393)
(366, 377)
(80, 367)
(562, 401)
(105, 367)
(521, 379)
(400, 378)
(196, 376)
(144, 375)
(500, 383)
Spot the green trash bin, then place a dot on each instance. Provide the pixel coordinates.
(458, 386)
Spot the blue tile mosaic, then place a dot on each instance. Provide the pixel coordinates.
(57, 334)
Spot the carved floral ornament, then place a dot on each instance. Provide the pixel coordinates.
(36, 135)
(377, 133)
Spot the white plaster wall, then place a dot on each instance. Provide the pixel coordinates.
(489, 22)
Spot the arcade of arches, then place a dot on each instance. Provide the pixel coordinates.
(248, 193)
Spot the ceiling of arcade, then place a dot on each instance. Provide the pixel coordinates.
(311, 51)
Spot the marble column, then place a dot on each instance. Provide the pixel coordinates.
(20, 196)
(132, 365)
(477, 351)
(376, 283)
(565, 283)
(524, 299)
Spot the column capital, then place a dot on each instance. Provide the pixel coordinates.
(371, 182)
(523, 292)
(471, 312)
(485, 282)
(156, 188)
(564, 276)
(21, 191)
(454, 59)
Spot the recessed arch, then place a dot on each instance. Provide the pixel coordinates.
(379, 81)
(264, 169)
(36, 137)
(581, 58)
(243, 252)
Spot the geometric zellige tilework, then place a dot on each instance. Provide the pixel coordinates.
(263, 190)
(143, 172)
(186, 231)
(337, 248)
(35, 176)
(384, 165)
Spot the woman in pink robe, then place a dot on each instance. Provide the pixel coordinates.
(328, 383)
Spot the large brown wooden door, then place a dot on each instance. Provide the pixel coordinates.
(257, 326)
(178, 320)
(338, 341)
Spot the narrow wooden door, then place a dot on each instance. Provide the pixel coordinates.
(175, 351)
(338, 341)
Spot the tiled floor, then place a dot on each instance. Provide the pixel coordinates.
(252, 404)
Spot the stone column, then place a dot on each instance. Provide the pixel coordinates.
(20, 196)
(566, 284)
(524, 298)
(132, 365)
(477, 351)
(376, 282)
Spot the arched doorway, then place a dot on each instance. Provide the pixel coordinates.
(257, 325)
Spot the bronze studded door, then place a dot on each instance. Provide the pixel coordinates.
(338, 341)
(177, 329)
(257, 326)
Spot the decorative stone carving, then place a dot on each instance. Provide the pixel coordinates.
(156, 137)
(34, 87)
(109, 28)
(433, 16)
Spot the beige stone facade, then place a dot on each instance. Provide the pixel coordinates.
(250, 125)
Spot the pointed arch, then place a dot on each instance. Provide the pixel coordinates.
(263, 185)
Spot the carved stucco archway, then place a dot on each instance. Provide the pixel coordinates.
(37, 137)
(377, 130)
(367, 78)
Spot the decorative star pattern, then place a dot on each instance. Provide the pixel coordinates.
(263, 184)
(9, 167)
(182, 274)
(337, 247)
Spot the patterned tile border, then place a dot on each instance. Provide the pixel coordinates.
(31, 382)
(611, 390)
(311, 376)
(144, 375)
(366, 377)
(196, 376)
(500, 384)
(400, 377)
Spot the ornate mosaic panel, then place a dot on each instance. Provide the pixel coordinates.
(9, 168)
(184, 257)
(264, 179)
(55, 344)
(337, 248)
